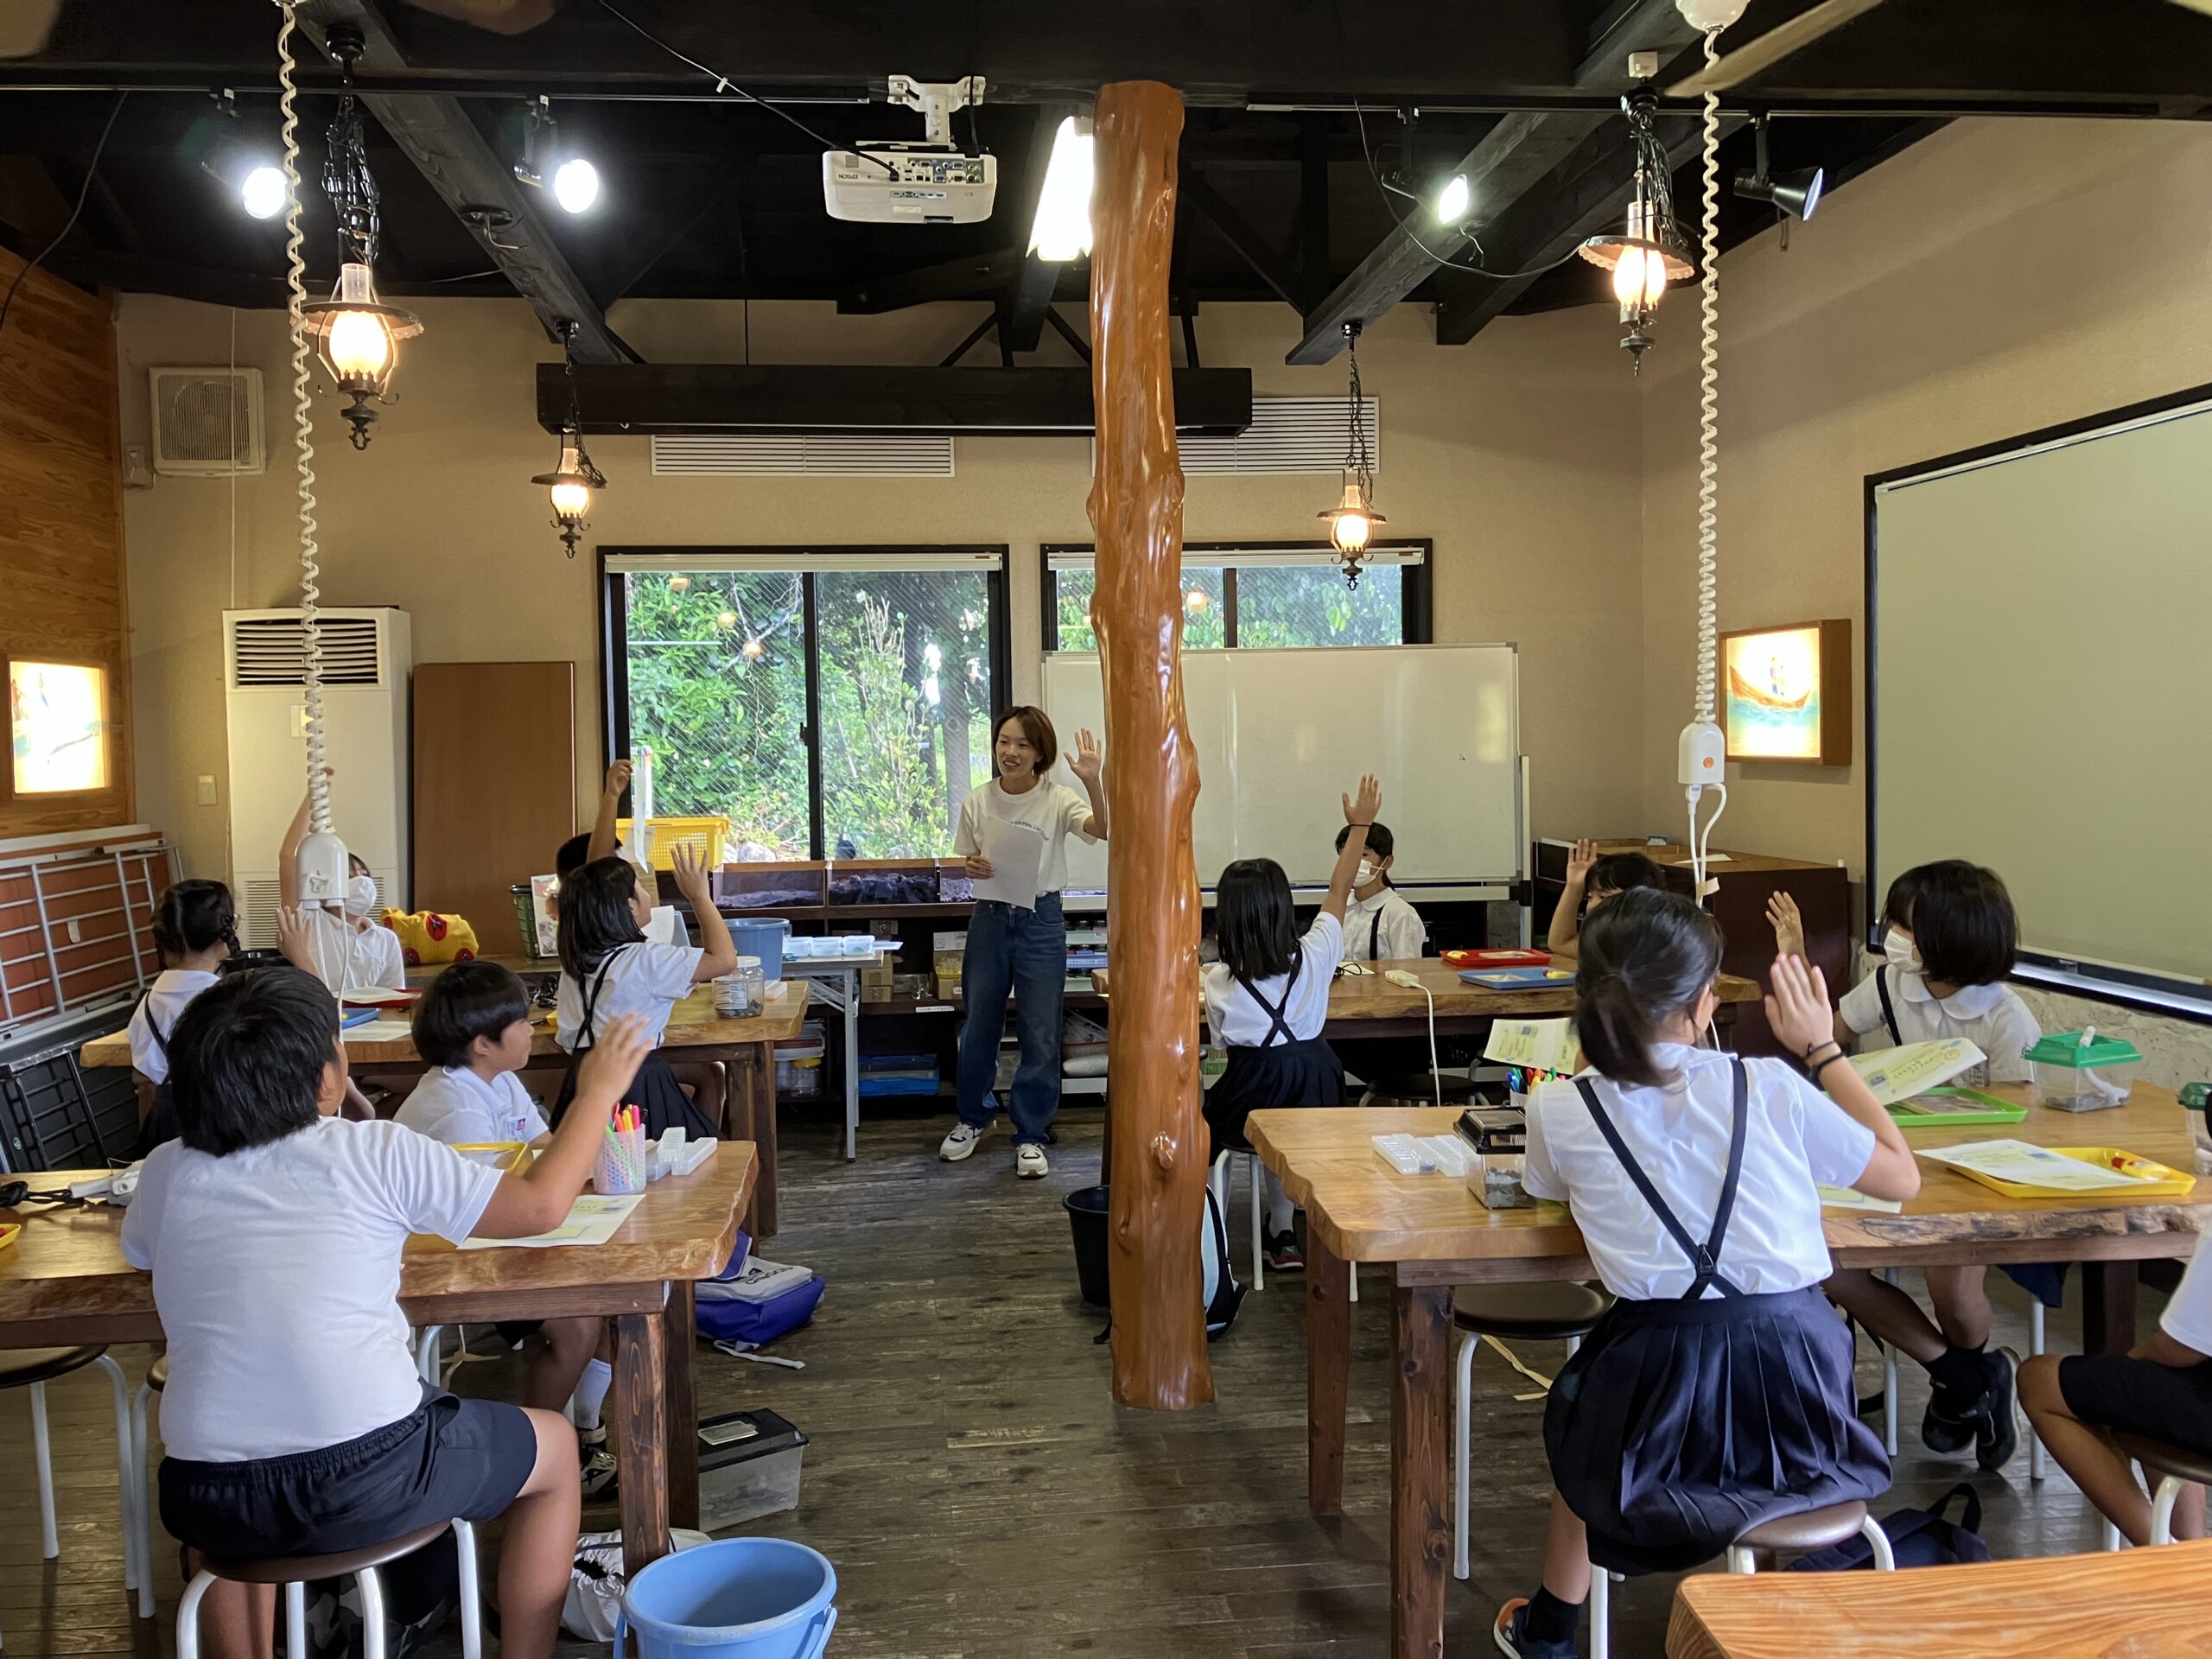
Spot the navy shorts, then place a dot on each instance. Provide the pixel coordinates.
(2140, 1396)
(453, 1459)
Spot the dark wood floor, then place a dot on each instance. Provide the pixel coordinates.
(978, 1492)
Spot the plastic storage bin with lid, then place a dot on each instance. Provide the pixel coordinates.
(2080, 1071)
(798, 1063)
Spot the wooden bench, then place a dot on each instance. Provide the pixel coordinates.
(2136, 1602)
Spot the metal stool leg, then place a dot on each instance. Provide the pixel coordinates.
(42, 1451)
(1352, 1279)
(1885, 1559)
(126, 1474)
(2161, 1510)
(471, 1606)
(141, 1480)
(188, 1616)
(296, 1620)
(1259, 1255)
(1462, 1407)
(372, 1633)
(1601, 1614)
(1740, 1560)
(426, 1353)
(2035, 1347)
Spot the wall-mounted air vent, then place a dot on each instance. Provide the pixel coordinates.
(272, 651)
(1287, 435)
(206, 422)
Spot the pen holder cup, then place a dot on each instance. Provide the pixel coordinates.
(622, 1164)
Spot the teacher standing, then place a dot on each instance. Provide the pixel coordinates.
(1018, 940)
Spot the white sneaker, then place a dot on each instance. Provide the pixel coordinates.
(1029, 1162)
(959, 1143)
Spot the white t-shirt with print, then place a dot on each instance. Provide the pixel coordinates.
(1795, 1136)
(163, 1006)
(277, 1276)
(1052, 811)
(644, 979)
(454, 1105)
(1238, 1022)
(1991, 1017)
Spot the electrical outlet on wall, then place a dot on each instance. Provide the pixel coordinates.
(206, 789)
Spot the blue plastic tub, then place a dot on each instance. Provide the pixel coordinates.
(734, 1599)
(763, 938)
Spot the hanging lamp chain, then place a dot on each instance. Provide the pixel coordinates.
(1358, 461)
(345, 176)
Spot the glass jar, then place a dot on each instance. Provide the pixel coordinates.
(741, 994)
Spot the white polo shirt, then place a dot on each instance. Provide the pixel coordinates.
(1050, 810)
(362, 958)
(1238, 1022)
(159, 1010)
(1991, 1017)
(643, 979)
(1383, 929)
(1795, 1137)
(277, 1276)
(454, 1105)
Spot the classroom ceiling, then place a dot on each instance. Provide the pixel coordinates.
(1301, 111)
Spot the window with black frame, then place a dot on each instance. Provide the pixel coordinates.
(1241, 594)
(827, 702)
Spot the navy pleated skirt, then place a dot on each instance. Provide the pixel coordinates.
(1679, 1426)
(1306, 1073)
(660, 1099)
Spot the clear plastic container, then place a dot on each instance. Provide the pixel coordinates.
(2080, 1071)
(742, 993)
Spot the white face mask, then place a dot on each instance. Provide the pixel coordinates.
(1898, 948)
(360, 895)
(1366, 873)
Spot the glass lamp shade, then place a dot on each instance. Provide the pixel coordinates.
(356, 336)
(1352, 522)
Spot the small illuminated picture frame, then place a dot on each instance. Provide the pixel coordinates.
(60, 735)
(1786, 693)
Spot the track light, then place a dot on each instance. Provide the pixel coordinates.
(1649, 252)
(261, 191)
(1795, 195)
(576, 180)
(1062, 231)
(1453, 200)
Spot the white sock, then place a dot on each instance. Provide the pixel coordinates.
(1280, 1210)
(591, 1392)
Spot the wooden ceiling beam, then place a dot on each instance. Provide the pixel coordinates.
(1250, 246)
(978, 276)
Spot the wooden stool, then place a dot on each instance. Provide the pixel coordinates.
(1537, 1312)
(2175, 1466)
(295, 1572)
(33, 1369)
(1808, 1530)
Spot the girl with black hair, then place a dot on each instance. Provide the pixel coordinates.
(1716, 1393)
(1593, 878)
(609, 967)
(1267, 998)
(195, 931)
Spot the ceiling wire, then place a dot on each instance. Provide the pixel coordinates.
(84, 192)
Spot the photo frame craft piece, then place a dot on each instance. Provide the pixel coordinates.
(1786, 693)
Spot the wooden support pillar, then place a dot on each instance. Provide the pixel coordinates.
(1158, 1168)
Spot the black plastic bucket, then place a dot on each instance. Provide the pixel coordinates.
(1086, 1208)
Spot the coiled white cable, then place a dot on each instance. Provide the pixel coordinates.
(1708, 400)
(302, 425)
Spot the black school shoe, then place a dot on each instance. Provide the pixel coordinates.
(1998, 1436)
(1953, 1420)
(1512, 1640)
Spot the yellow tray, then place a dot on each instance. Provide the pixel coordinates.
(9, 1232)
(2158, 1180)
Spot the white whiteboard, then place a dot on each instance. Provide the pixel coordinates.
(2038, 644)
(1281, 735)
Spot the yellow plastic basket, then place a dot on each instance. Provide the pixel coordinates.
(706, 834)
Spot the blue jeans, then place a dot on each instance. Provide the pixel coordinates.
(1024, 951)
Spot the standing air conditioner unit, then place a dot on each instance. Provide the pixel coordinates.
(206, 422)
(367, 657)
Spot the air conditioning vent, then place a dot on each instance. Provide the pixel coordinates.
(272, 651)
(206, 422)
(1287, 435)
(823, 455)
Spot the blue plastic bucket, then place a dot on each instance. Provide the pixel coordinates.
(738, 1598)
(765, 939)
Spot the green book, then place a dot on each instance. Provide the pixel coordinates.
(1953, 1107)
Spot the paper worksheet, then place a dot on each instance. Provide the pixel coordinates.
(1896, 1074)
(1546, 1045)
(1017, 855)
(593, 1220)
(2032, 1165)
(380, 1031)
(1850, 1198)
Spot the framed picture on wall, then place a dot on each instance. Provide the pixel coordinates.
(61, 733)
(1786, 693)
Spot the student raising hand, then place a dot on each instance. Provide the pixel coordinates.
(1580, 859)
(1789, 926)
(1797, 1005)
(1362, 811)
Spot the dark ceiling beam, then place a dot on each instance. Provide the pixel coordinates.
(1250, 246)
(1552, 224)
(1031, 294)
(1313, 211)
(1505, 164)
(137, 274)
(979, 276)
(478, 184)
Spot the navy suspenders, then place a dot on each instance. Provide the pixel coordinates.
(1705, 1257)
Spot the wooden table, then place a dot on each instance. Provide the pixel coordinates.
(2132, 1602)
(65, 1281)
(696, 1037)
(1435, 1236)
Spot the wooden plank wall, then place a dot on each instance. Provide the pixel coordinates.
(61, 559)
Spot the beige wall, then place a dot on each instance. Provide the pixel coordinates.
(1997, 277)
(1518, 456)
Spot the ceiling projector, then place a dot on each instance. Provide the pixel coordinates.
(890, 182)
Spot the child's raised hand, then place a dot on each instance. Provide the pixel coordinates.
(690, 866)
(1789, 926)
(1364, 808)
(1797, 1006)
(295, 937)
(611, 1063)
(1085, 761)
(1581, 858)
(618, 778)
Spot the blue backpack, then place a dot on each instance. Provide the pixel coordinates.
(755, 1301)
(1917, 1537)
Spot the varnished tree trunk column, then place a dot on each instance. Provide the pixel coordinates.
(1159, 1155)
